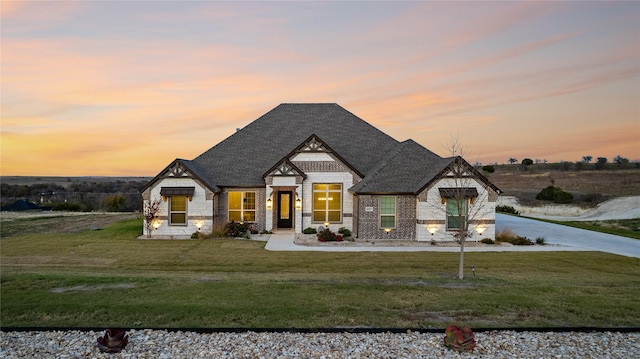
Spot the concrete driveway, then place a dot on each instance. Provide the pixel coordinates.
(570, 237)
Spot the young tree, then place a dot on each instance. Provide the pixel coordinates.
(150, 213)
(587, 159)
(461, 207)
(512, 160)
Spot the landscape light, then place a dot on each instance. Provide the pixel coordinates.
(269, 203)
(298, 203)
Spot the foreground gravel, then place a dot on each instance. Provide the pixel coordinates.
(163, 344)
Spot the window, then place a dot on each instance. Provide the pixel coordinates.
(178, 210)
(388, 212)
(242, 206)
(456, 213)
(327, 202)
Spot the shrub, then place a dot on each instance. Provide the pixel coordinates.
(505, 235)
(521, 241)
(327, 236)
(488, 168)
(487, 241)
(264, 231)
(235, 229)
(344, 231)
(541, 241)
(309, 230)
(507, 209)
(555, 194)
(460, 339)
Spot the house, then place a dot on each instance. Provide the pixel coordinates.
(312, 165)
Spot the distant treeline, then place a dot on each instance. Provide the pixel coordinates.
(85, 196)
(587, 163)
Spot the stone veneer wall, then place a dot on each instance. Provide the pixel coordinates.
(369, 222)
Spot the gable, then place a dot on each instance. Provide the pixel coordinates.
(466, 170)
(284, 168)
(180, 168)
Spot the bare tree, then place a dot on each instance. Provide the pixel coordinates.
(461, 204)
(150, 212)
(512, 160)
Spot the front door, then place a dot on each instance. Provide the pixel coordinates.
(285, 209)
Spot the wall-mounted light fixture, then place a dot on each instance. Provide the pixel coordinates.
(269, 204)
(481, 229)
(387, 230)
(326, 224)
(199, 225)
(432, 229)
(156, 224)
(298, 203)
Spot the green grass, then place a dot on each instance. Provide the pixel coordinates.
(108, 278)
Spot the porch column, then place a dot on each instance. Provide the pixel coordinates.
(269, 211)
(298, 211)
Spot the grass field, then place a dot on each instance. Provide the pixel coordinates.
(108, 278)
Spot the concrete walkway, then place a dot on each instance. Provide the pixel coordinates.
(559, 238)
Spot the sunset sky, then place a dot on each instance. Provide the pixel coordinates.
(121, 88)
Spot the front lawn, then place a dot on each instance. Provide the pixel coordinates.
(108, 278)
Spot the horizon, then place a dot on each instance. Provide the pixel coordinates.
(121, 89)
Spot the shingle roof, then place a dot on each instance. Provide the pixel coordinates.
(405, 169)
(244, 157)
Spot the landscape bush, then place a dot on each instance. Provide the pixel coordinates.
(328, 236)
(541, 241)
(309, 230)
(487, 241)
(555, 194)
(507, 209)
(236, 229)
(505, 235)
(344, 232)
(459, 339)
(521, 241)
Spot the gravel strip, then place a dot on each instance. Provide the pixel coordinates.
(163, 344)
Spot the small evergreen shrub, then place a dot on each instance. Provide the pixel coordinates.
(541, 241)
(507, 209)
(487, 241)
(521, 241)
(309, 230)
(344, 232)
